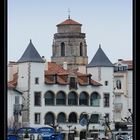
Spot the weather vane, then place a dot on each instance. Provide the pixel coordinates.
(68, 13)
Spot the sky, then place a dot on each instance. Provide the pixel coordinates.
(105, 22)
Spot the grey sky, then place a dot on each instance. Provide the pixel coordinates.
(105, 22)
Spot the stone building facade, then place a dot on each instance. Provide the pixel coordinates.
(69, 45)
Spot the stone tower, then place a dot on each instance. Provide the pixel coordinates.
(69, 45)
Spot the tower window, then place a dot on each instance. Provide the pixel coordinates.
(36, 80)
(81, 49)
(62, 49)
(106, 83)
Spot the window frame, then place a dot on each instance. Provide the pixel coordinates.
(36, 118)
(37, 104)
(36, 80)
(106, 100)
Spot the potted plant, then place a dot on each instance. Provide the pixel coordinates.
(26, 136)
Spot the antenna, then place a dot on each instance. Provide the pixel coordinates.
(68, 13)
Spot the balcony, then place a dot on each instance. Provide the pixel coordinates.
(118, 107)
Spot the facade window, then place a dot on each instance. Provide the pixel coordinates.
(118, 84)
(36, 80)
(61, 98)
(61, 118)
(62, 49)
(49, 98)
(37, 98)
(83, 99)
(49, 118)
(95, 99)
(81, 49)
(73, 83)
(106, 83)
(72, 118)
(72, 98)
(106, 100)
(16, 99)
(94, 118)
(37, 118)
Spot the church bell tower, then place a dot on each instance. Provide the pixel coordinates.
(69, 45)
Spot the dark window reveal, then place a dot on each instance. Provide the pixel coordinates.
(37, 98)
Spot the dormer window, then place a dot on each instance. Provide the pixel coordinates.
(72, 83)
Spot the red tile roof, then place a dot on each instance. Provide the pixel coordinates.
(56, 74)
(69, 22)
(14, 81)
(129, 63)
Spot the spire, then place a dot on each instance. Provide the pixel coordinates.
(30, 40)
(100, 59)
(30, 55)
(68, 13)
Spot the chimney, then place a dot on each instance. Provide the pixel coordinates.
(65, 65)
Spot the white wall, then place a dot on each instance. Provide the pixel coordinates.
(10, 105)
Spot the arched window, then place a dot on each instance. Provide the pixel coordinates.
(72, 118)
(72, 98)
(49, 118)
(118, 84)
(81, 49)
(95, 99)
(61, 98)
(49, 98)
(94, 118)
(61, 118)
(62, 49)
(83, 99)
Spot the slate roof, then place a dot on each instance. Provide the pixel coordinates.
(69, 22)
(100, 60)
(30, 55)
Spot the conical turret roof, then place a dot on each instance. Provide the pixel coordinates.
(100, 60)
(30, 55)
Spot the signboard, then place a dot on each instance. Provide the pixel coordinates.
(45, 130)
(24, 129)
(83, 121)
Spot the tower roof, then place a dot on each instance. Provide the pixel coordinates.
(30, 55)
(100, 60)
(69, 22)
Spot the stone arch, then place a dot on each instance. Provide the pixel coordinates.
(73, 118)
(84, 98)
(72, 98)
(95, 99)
(49, 97)
(61, 98)
(61, 117)
(49, 118)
